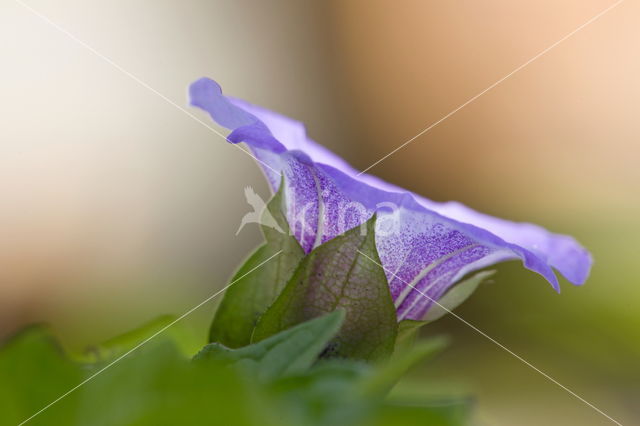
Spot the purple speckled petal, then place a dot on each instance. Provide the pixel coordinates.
(432, 246)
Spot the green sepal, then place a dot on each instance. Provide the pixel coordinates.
(408, 329)
(456, 295)
(341, 273)
(253, 291)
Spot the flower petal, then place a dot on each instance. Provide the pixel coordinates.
(431, 246)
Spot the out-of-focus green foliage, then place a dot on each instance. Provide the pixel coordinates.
(33, 372)
(184, 340)
(156, 384)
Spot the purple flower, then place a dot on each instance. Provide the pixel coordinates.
(427, 244)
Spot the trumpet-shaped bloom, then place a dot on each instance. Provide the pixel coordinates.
(425, 246)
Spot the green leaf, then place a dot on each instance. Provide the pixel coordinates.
(387, 375)
(291, 351)
(341, 273)
(407, 334)
(456, 295)
(252, 293)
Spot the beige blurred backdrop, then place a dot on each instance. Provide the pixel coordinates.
(113, 199)
(116, 206)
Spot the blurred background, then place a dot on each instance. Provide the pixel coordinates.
(116, 206)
